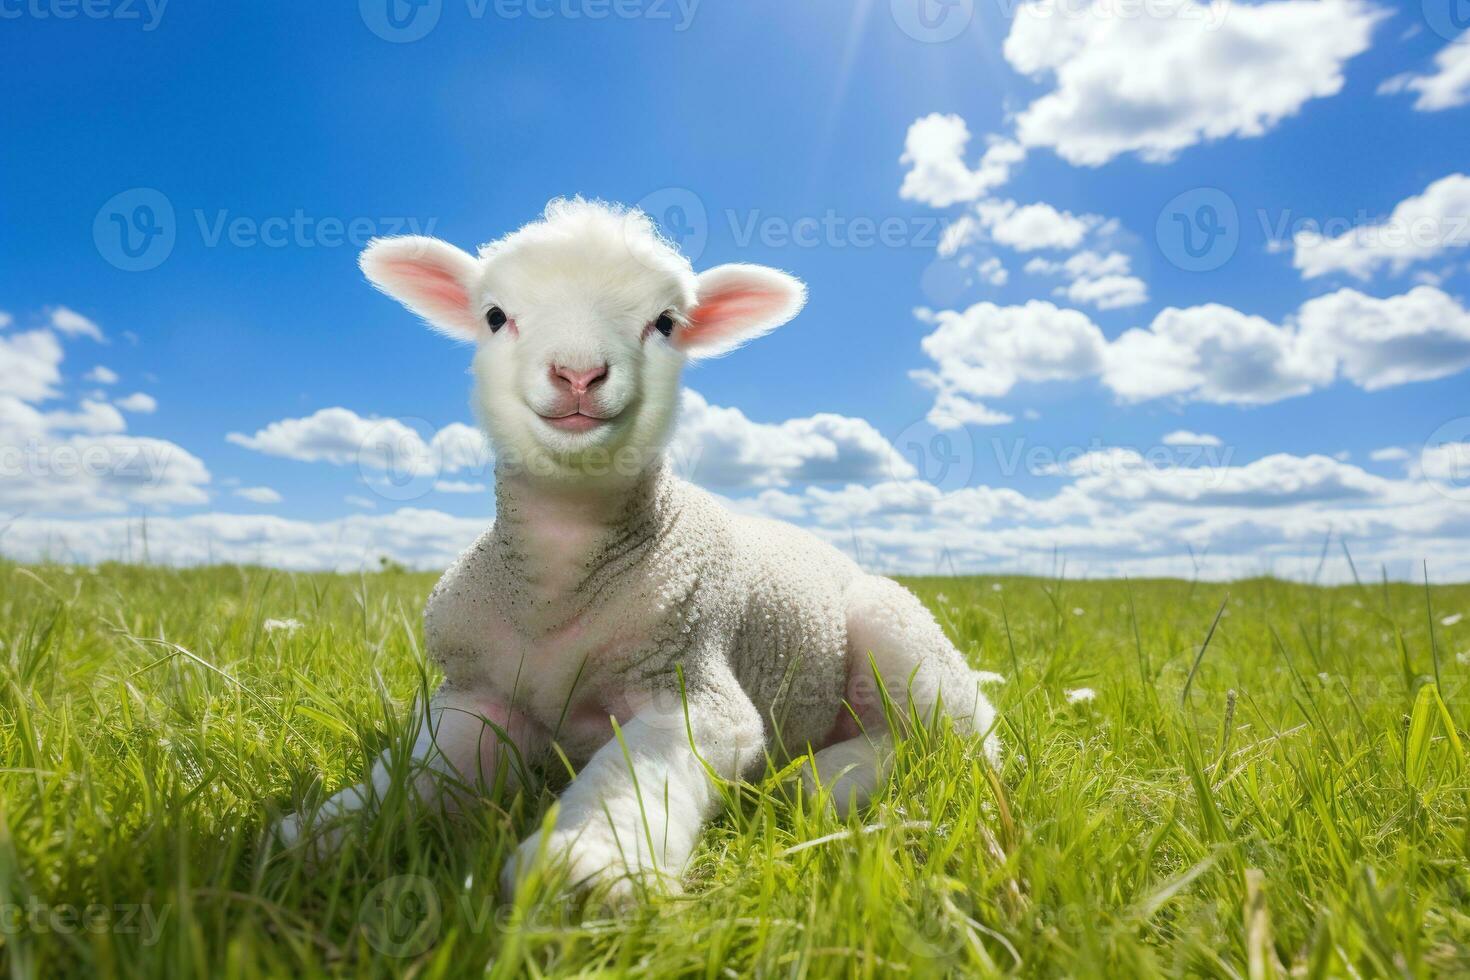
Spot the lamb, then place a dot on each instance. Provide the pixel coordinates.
(615, 610)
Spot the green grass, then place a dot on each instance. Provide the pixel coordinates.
(150, 728)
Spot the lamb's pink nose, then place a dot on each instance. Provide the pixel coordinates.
(578, 381)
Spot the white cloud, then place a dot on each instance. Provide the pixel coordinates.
(32, 365)
(1419, 228)
(1029, 227)
(98, 474)
(1447, 87)
(93, 417)
(459, 486)
(1118, 511)
(717, 446)
(934, 151)
(1108, 293)
(1389, 454)
(1159, 78)
(259, 495)
(993, 272)
(987, 350)
(5, 319)
(720, 447)
(1183, 437)
(72, 324)
(101, 375)
(1378, 343)
(344, 438)
(362, 502)
(1209, 353)
(418, 538)
(138, 402)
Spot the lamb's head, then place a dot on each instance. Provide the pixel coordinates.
(583, 320)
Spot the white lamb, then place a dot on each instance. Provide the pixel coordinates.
(610, 589)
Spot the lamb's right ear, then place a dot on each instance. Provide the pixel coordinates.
(430, 277)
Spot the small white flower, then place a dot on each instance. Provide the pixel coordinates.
(995, 587)
(1081, 695)
(1452, 620)
(943, 599)
(287, 626)
(1079, 611)
(1463, 657)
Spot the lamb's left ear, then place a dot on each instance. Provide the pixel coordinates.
(430, 277)
(738, 303)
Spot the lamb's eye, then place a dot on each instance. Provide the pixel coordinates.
(496, 318)
(664, 324)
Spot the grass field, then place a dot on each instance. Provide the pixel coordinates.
(1298, 803)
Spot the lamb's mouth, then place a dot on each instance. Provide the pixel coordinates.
(577, 421)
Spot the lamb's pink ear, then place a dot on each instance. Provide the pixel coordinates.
(738, 303)
(430, 277)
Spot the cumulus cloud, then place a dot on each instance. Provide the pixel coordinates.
(1209, 353)
(1029, 227)
(1389, 454)
(1176, 73)
(342, 437)
(92, 416)
(1118, 511)
(1095, 279)
(1121, 512)
(101, 375)
(1419, 228)
(934, 152)
(414, 537)
(259, 495)
(1151, 80)
(32, 365)
(986, 350)
(720, 447)
(138, 402)
(1183, 437)
(1446, 87)
(716, 446)
(72, 324)
(80, 459)
(460, 486)
(1378, 343)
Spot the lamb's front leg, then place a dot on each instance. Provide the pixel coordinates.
(636, 809)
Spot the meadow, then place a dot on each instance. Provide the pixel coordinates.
(1289, 798)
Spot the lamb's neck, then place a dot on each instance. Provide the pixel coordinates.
(561, 538)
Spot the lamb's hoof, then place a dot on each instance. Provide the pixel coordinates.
(588, 867)
(316, 839)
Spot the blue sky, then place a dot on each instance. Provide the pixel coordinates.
(1106, 120)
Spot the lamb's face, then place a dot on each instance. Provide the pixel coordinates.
(583, 320)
